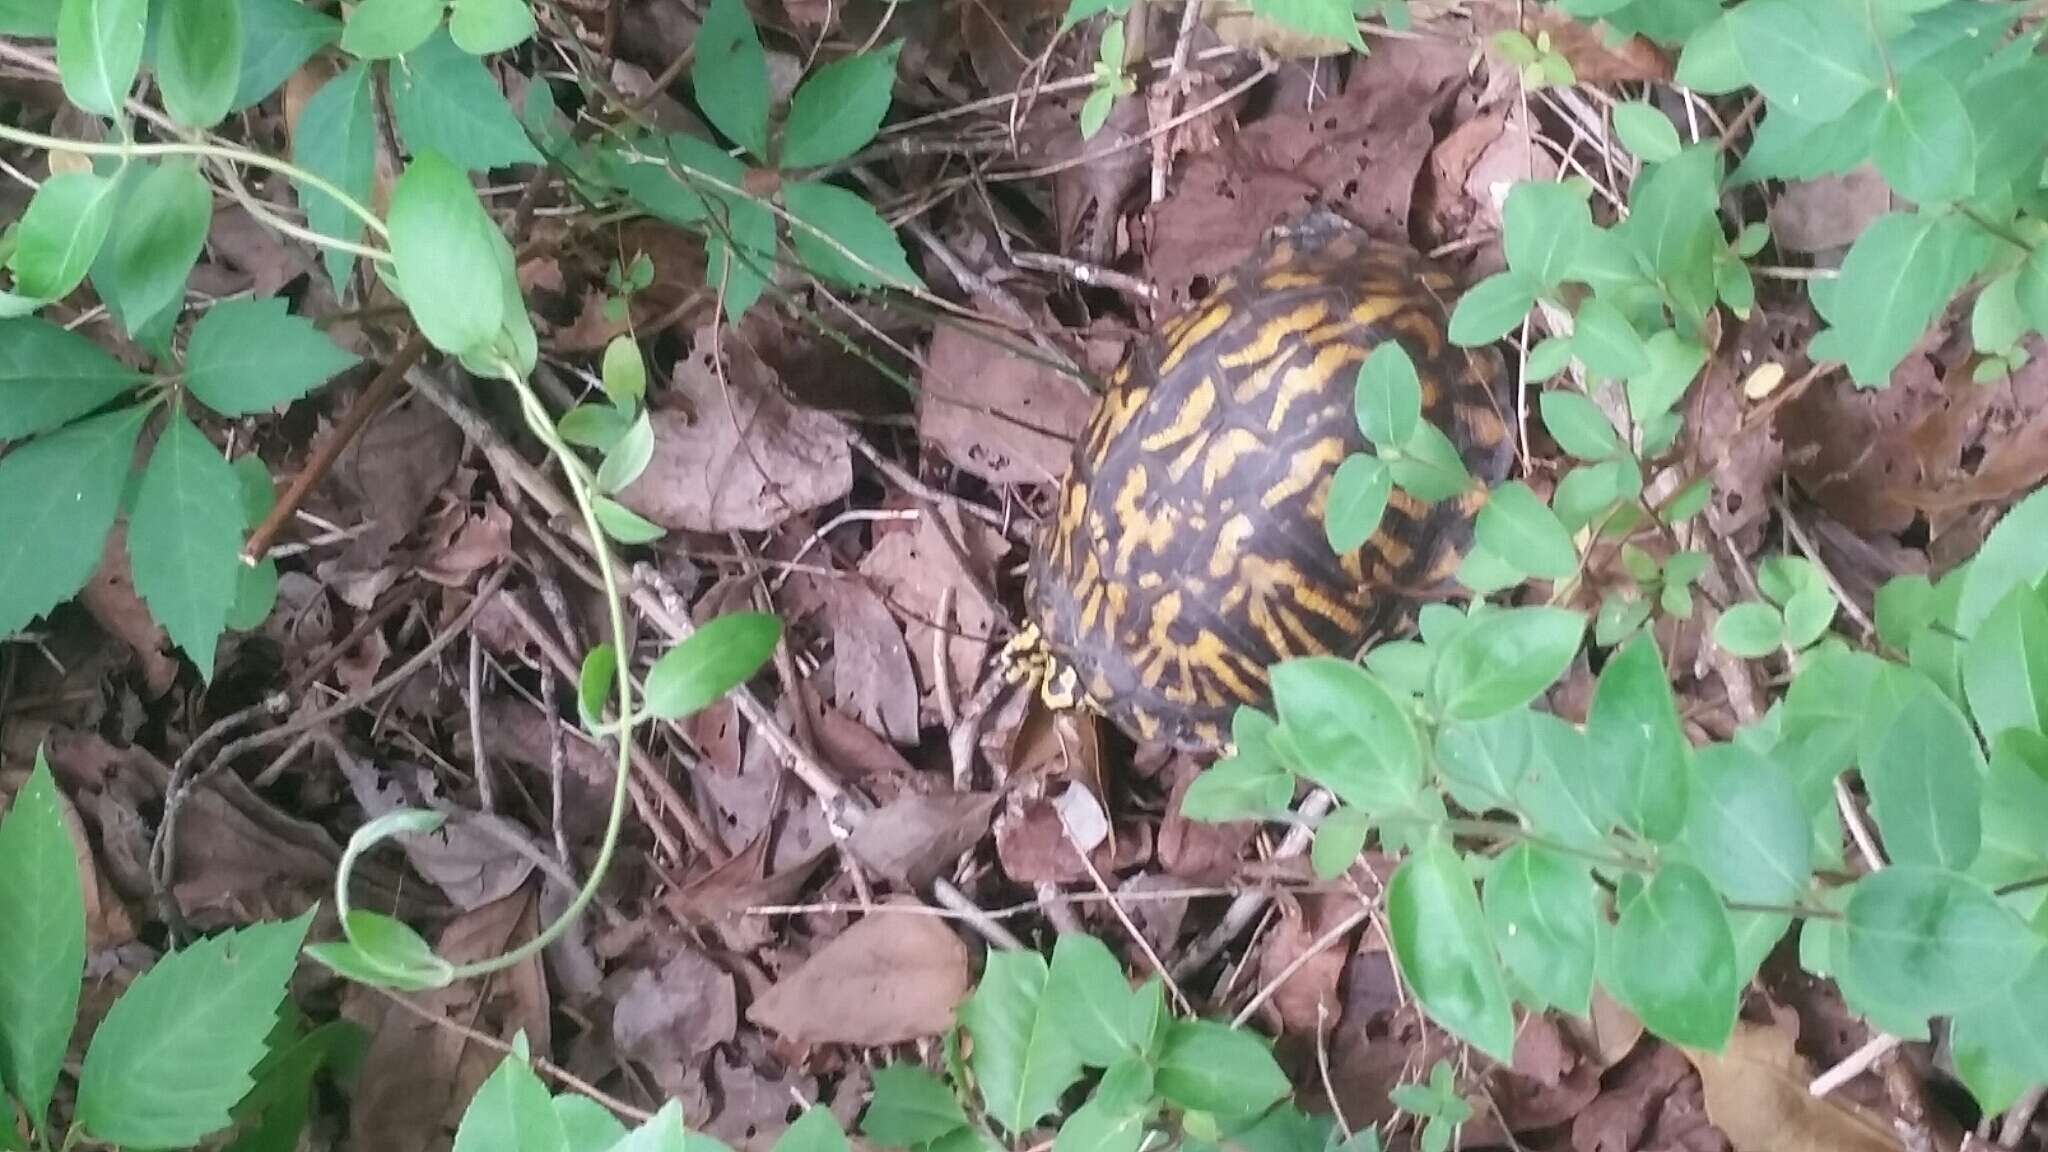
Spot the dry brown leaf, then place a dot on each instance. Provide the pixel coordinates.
(872, 675)
(1194, 850)
(390, 475)
(1620, 1116)
(890, 978)
(732, 454)
(1756, 1094)
(472, 857)
(668, 1019)
(722, 895)
(915, 838)
(1001, 415)
(1828, 212)
(916, 568)
(1594, 61)
(460, 544)
(1308, 1002)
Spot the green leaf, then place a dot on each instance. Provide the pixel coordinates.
(1926, 146)
(1607, 342)
(623, 524)
(99, 49)
(2011, 1026)
(671, 179)
(2016, 552)
(154, 243)
(594, 426)
(1578, 425)
(838, 108)
(1321, 19)
(1358, 501)
(1209, 1067)
(1542, 908)
(588, 1126)
(1339, 839)
(1492, 308)
(1746, 827)
(185, 539)
(1504, 660)
(337, 141)
(2015, 809)
(910, 1107)
(1444, 949)
(1089, 998)
(1545, 223)
(42, 953)
(61, 232)
(1902, 270)
(740, 259)
(624, 373)
(1924, 771)
(277, 37)
(1349, 733)
(199, 59)
(511, 1112)
(1751, 629)
(594, 682)
(1388, 396)
(1674, 361)
(1634, 730)
(481, 27)
(1249, 783)
(1810, 59)
(1675, 230)
(447, 103)
(248, 356)
(58, 496)
(1645, 131)
(382, 29)
(175, 1052)
(627, 459)
(718, 657)
(1673, 960)
(1021, 1059)
(873, 255)
(1109, 1122)
(1483, 763)
(730, 75)
(2005, 666)
(446, 255)
(50, 376)
(1925, 942)
(1518, 527)
(384, 952)
(35, 19)
(2030, 290)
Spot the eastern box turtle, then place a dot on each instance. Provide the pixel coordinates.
(1187, 552)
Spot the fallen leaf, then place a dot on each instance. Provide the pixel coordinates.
(1193, 850)
(917, 568)
(915, 838)
(731, 455)
(872, 674)
(1756, 1094)
(887, 979)
(471, 857)
(1307, 1003)
(1828, 212)
(1617, 1119)
(669, 1018)
(111, 599)
(1004, 416)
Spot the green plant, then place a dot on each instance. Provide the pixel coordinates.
(1111, 82)
(198, 1043)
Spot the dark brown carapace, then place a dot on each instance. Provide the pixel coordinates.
(1188, 550)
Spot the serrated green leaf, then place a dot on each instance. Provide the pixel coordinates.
(1444, 949)
(199, 59)
(814, 1131)
(730, 75)
(1358, 501)
(511, 1112)
(1541, 908)
(60, 233)
(1645, 131)
(446, 103)
(740, 258)
(838, 108)
(1492, 308)
(588, 1126)
(1516, 526)
(248, 356)
(277, 37)
(58, 496)
(910, 1107)
(873, 255)
(1926, 145)
(718, 657)
(1349, 733)
(185, 539)
(42, 953)
(1021, 1060)
(154, 242)
(669, 178)
(1388, 396)
(446, 254)
(1673, 960)
(1205, 1066)
(382, 29)
(1331, 20)
(50, 376)
(1924, 942)
(176, 1051)
(1578, 425)
(1504, 660)
(336, 141)
(1089, 998)
(1634, 730)
(1746, 827)
(99, 49)
(482, 27)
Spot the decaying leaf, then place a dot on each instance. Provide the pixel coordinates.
(1756, 1092)
(890, 978)
(915, 838)
(1008, 417)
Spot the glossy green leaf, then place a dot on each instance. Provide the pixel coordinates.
(482, 27)
(1633, 728)
(382, 29)
(837, 109)
(446, 252)
(42, 953)
(1505, 660)
(277, 37)
(872, 258)
(1518, 527)
(336, 141)
(1388, 396)
(185, 539)
(446, 103)
(730, 75)
(1358, 501)
(1021, 1060)
(719, 656)
(1673, 960)
(1484, 762)
(1209, 1067)
(176, 1051)
(61, 232)
(1926, 145)
(1492, 308)
(99, 49)
(1747, 829)
(910, 1107)
(1925, 942)
(50, 376)
(154, 242)
(58, 495)
(1578, 425)
(1445, 951)
(248, 356)
(1089, 998)
(1349, 733)
(1542, 908)
(199, 59)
